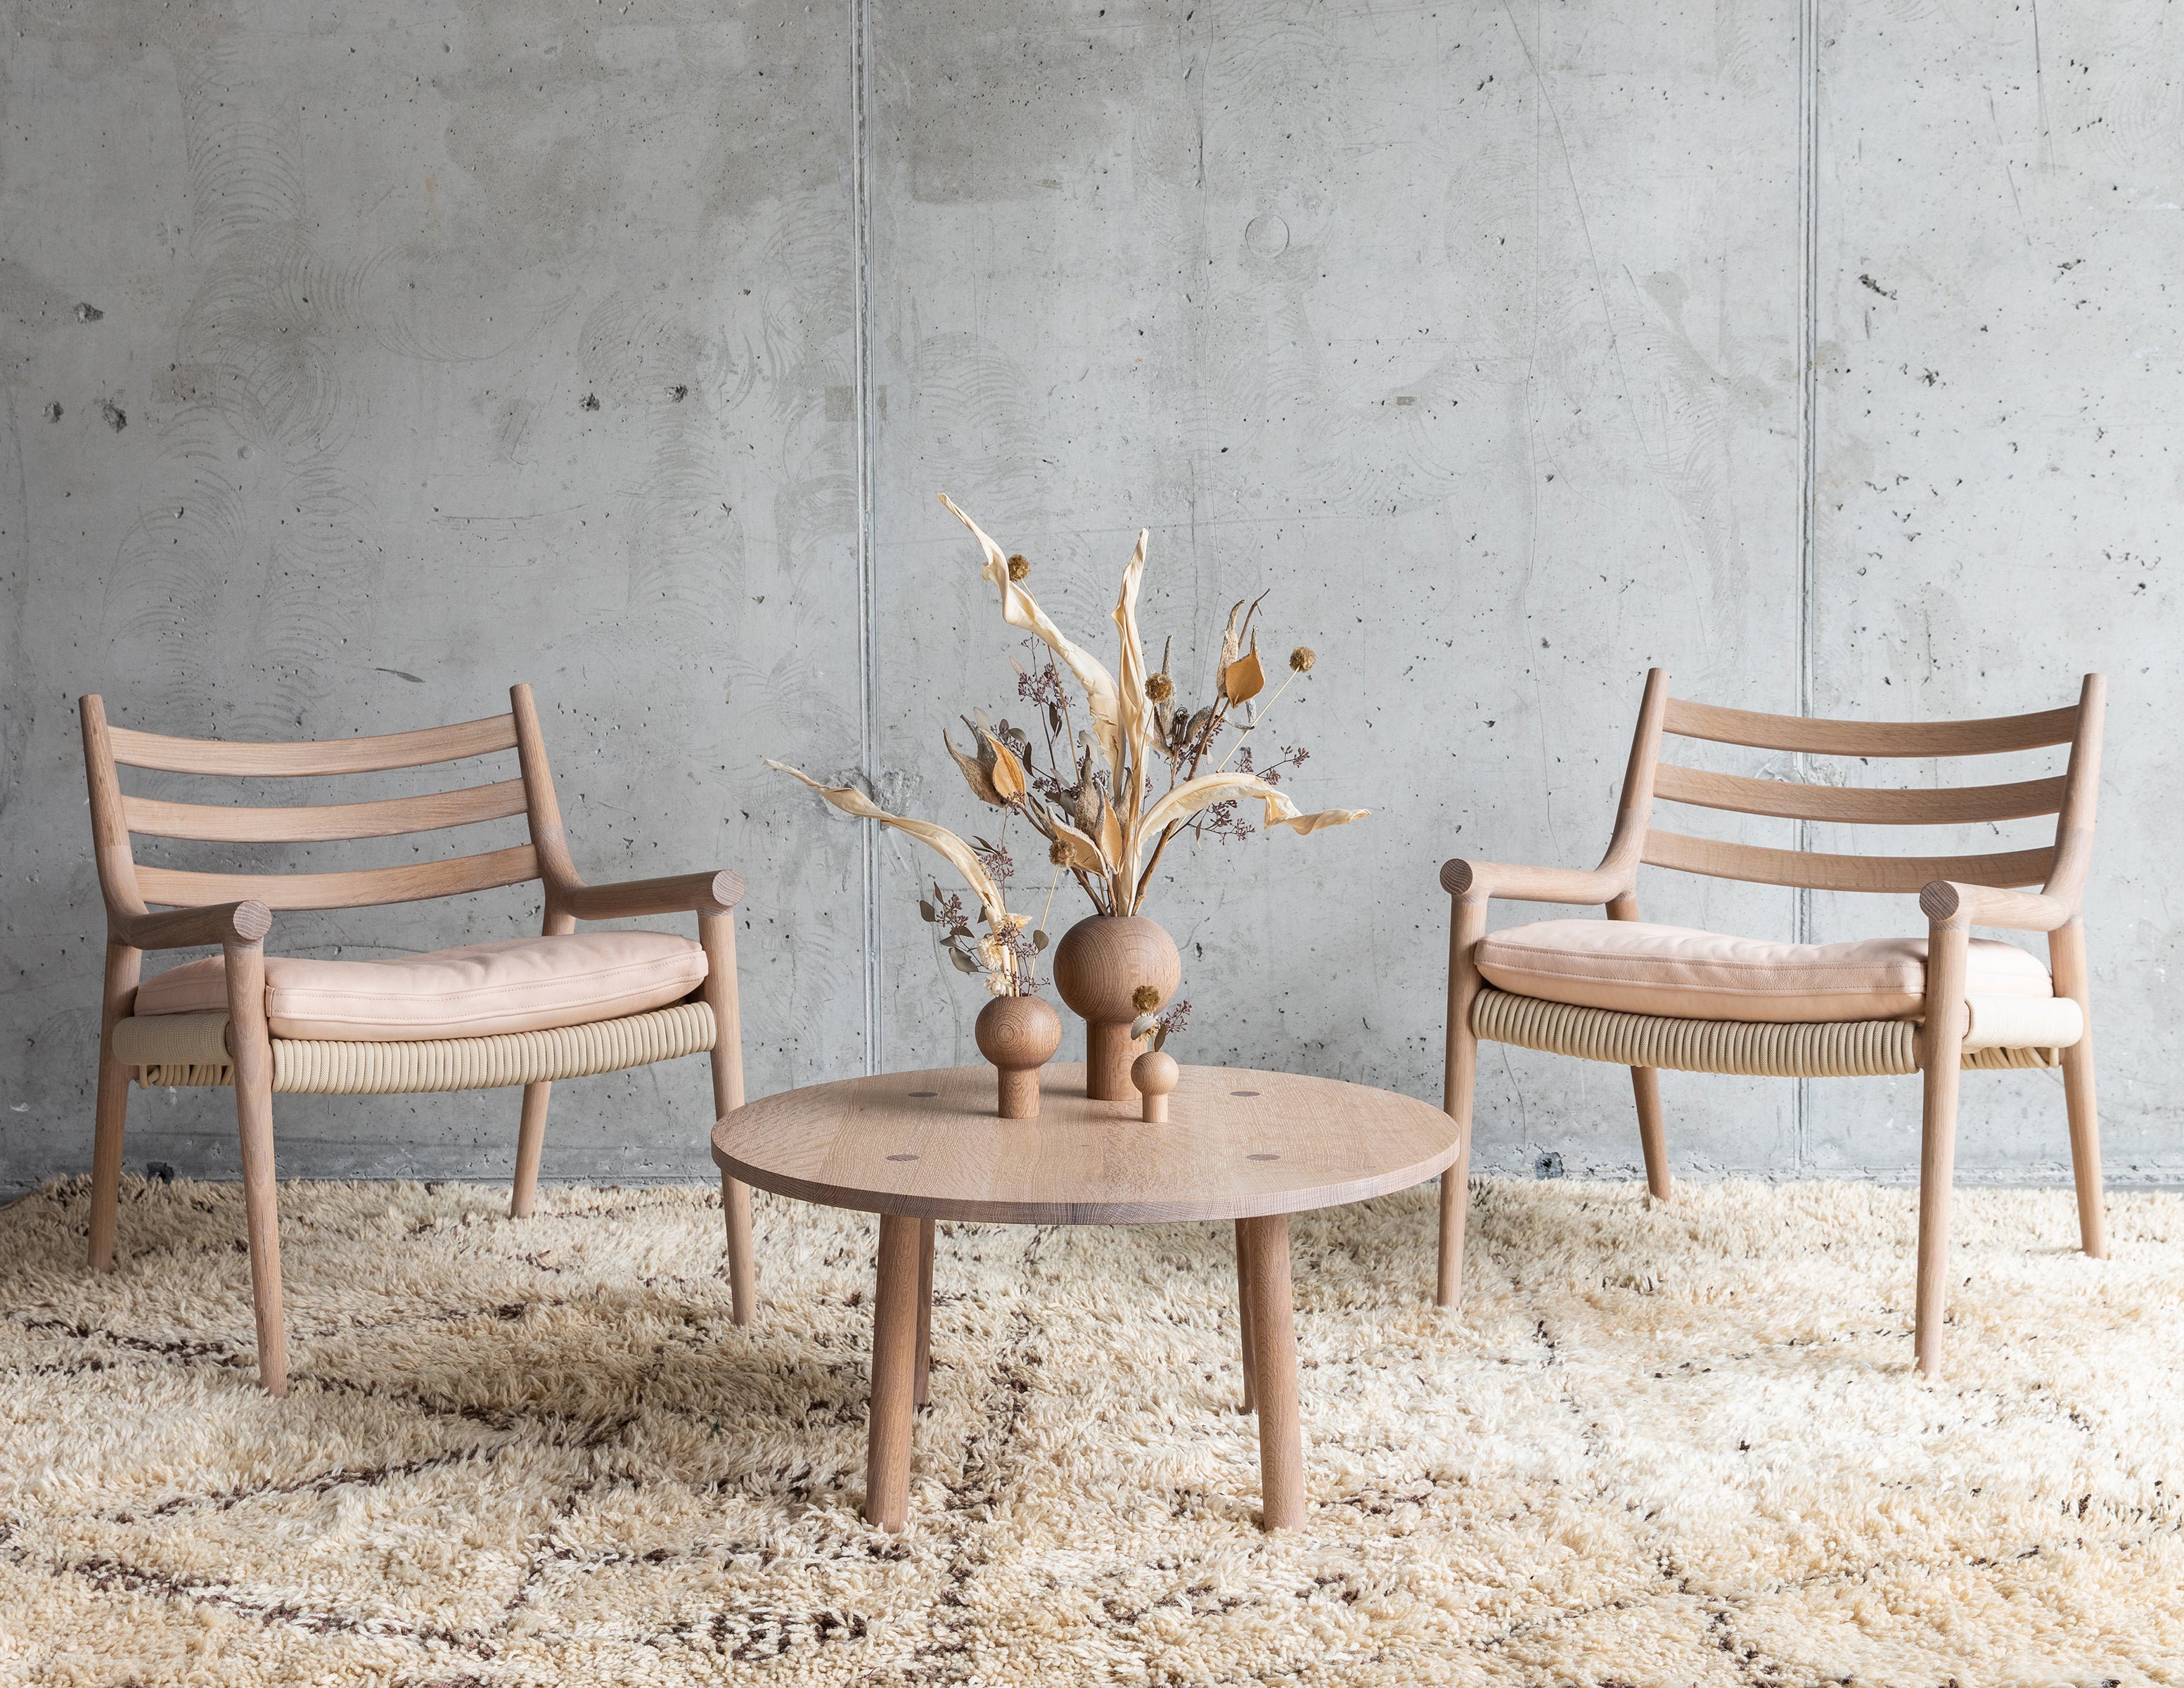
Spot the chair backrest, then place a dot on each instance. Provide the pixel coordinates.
(2059, 868)
(129, 886)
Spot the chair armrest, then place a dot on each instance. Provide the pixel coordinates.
(683, 893)
(1461, 878)
(245, 922)
(1987, 905)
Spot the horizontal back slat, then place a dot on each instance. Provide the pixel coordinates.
(1817, 872)
(1870, 738)
(318, 824)
(411, 883)
(1860, 805)
(326, 756)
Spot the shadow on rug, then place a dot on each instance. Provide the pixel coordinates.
(1674, 1445)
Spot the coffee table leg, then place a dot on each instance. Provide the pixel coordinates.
(924, 1312)
(894, 1365)
(1243, 1314)
(1273, 1332)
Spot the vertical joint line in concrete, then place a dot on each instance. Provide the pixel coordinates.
(867, 606)
(1809, 306)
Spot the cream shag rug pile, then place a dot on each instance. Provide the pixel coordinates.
(1674, 1445)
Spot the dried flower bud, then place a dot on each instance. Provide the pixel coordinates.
(1160, 688)
(1019, 566)
(1302, 658)
(1146, 999)
(1058, 853)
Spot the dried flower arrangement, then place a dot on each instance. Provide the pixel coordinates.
(1091, 792)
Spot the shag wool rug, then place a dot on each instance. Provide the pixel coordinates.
(1674, 1445)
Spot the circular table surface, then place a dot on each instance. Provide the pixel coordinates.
(1238, 1144)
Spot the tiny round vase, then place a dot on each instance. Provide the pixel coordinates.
(1019, 1036)
(1099, 966)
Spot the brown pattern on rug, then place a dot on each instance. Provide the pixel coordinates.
(1674, 1445)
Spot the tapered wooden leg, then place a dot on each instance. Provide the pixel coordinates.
(716, 933)
(2066, 951)
(895, 1364)
(1273, 1332)
(924, 1391)
(123, 966)
(250, 1053)
(743, 1267)
(530, 1147)
(1243, 1318)
(1459, 1086)
(1646, 1086)
(1942, 1055)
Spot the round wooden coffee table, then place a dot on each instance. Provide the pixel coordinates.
(1253, 1147)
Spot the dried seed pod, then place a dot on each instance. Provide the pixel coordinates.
(1301, 659)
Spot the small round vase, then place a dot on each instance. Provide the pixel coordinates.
(1019, 1036)
(1099, 966)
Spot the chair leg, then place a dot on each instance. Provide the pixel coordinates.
(530, 1149)
(1942, 1043)
(717, 933)
(1459, 1084)
(2086, 1147)
(1937, 1167)
(123, 966)
(250, 1056)
(1645, 1085)
(2066, 954)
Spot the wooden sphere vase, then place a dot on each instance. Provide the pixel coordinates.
(1099, 966)
(1019, 1036)
(1154, 1075)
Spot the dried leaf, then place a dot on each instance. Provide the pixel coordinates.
(1008, 775)
(925, 912)
(1232, 645)
(1021, 609)
(963, 963)
(1320, 820)
(1244, 679)
(960, 856)
(974, 776)
(1134, 708)
(1111, 833)
(1038, 942)
(1182, 802)
(1083, 854)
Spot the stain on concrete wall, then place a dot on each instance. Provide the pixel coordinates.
(521, 341)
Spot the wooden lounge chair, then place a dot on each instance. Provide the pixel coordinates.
(526, 1012)
(1652, 996)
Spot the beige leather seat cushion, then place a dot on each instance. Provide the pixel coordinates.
(1639, 968)
(518, 984)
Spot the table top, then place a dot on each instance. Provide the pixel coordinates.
(1238, 1144)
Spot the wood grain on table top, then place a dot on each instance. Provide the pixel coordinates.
(1238, 1144)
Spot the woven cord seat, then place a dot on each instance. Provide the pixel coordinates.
(1851, 1049)
(194, 1054)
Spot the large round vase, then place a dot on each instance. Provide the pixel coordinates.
(1098, 967)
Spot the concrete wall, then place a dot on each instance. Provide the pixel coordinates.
(1821, 359)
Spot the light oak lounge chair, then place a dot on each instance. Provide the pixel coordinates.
(526, 1012)
(1650, 996)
